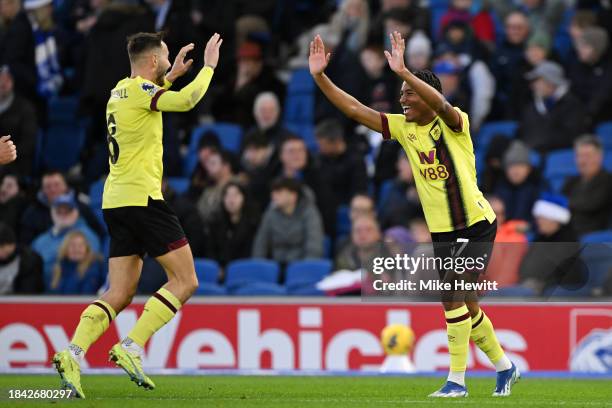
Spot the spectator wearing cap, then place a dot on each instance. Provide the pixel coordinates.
(418, 52)
(589, 193)
(267, 113)
(253, 77)
(66, 218)
(37, 218)
(556, 116)
(591, 73)
(507, 60)
(78, 270)
(21, 270)
(521, 184)
(18, 119)
(551, 259)
(291, 228)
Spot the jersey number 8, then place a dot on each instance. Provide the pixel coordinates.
(113, 146)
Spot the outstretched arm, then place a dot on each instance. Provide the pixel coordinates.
(350, 106)
(430, 95)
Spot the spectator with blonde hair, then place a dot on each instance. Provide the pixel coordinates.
(78, 269)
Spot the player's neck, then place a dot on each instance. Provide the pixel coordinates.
(144, 74)
(426, 119)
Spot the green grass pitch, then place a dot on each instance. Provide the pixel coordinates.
(296, 392)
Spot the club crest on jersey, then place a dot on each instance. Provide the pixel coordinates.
(435, 131)
(149, 88)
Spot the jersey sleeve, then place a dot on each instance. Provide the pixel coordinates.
(185, 99)
(465, 124)
(391, 125)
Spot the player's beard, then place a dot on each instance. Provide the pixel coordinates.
(159, 80)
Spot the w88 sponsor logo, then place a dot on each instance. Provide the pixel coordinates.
(433, 173)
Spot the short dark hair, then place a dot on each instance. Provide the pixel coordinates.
(329, 129)
(141, 42)
(429, 77)
(589, 140)
(256, 139)
(286, 183)
(7, 235)
(290, 137)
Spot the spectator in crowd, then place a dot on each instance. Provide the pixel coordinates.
(352, 21)
(21, 270)
(455, 88)
(552, 258)
(260, 163)
(253, 77)
(12, 201)
(589, 193)
(520, 187)
(344, 170)
(291, 227)
(188, 216)
(481, 23)
(494, 169)
(78, 269)
(365, 244)
(231, 235)
(296, 163)
(401, 204)
(591, 73)
(18, 119)
(510, 246)
(208, 143)
(556, 116)
(362, 205)
(508, 59)
(379, 84)
(17, 49)
(66, 218)
(407, 15)
(37, 218)
(267, 110)
(418, 52)
(219, 169)
(544, 15)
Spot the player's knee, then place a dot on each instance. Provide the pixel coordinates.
(120, 298)
(192, 285)
(473, 308)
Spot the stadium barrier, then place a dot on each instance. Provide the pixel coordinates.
(308, 334)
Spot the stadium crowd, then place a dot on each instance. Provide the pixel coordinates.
(265, 167)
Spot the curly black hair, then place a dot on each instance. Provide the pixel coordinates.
(429, 77)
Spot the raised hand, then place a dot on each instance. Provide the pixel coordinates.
(180, 66)
(211, 53)
(8, 151)
(395, 58)
(317, 60)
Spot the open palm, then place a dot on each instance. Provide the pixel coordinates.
(317, 60)
(395, 58)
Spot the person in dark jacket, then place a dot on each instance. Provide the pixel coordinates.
(557, 116)
(21, 270)
(591, 73)
(521, 185)
(260, 164)
(78, 269)
(12, 201)
(553, 257)
(231, 235)
(291, 228)
(267, 113)
(36, 218)
(402, 204)
(589, 193)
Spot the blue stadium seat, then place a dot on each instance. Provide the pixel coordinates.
(308, 271)
(62, 145)
(306, 132)
(562, 42)
(490, 129)
(95, 194)
(604, 131)
(560, 164)
(259, 289)
(179, 184)
(343, 220)
(299, 101)
(211, 289)
(245, 271)
(300, 82)
(604, 236)
(306, 290)
(230, 136)
(383, 194)
(207, 270)
(607, 161)
(63, 110)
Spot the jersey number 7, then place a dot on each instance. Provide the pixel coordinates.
(113, 146)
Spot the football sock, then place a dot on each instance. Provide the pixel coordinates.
(95, 319)
(484, 337)
(159, 309)
(458, 327)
